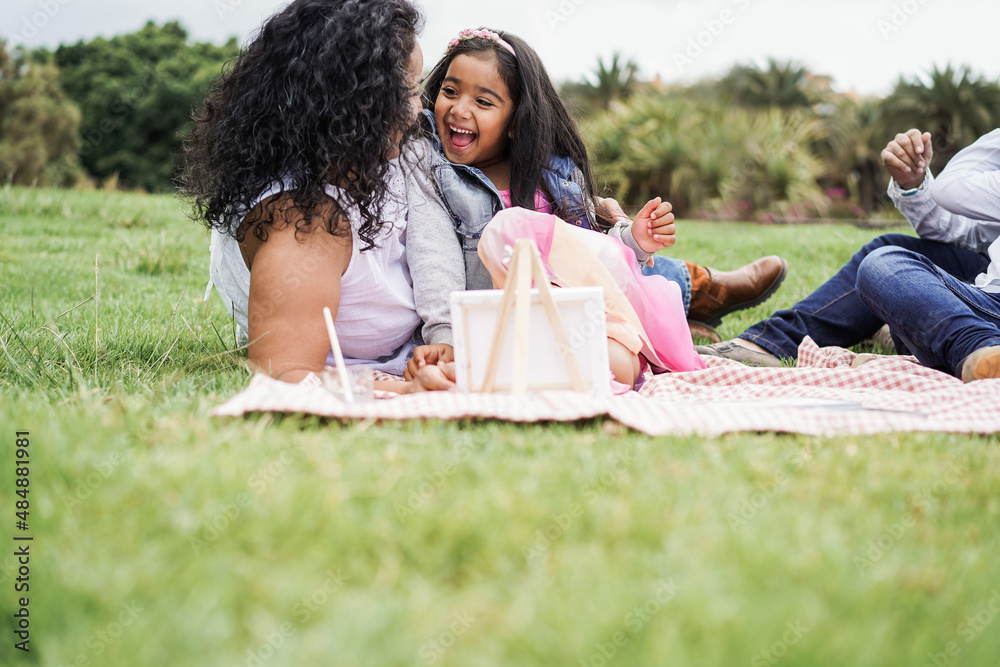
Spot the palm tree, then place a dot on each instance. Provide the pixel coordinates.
(775, 170)
(851, 137)
(786, 85)
(616, 80)
(953, 105)
(700, 156)
(640, 145)
(611, 81)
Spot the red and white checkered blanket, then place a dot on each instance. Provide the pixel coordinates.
(823, 395)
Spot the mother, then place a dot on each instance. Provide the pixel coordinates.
(293, 164)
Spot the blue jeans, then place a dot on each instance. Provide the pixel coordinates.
(942, 320)
(675, 271)
(835, 314)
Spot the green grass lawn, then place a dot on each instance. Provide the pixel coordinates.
(165, 537)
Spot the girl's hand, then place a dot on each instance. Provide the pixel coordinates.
(654, 229)
(428, 355)
(432, 377)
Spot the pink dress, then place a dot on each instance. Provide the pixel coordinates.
(542, 204)
(645, 313)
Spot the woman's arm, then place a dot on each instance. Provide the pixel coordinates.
(292, 277)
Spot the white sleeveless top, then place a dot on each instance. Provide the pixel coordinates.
(377, 319)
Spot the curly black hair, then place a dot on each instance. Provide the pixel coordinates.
(319, 96)
(541, 126)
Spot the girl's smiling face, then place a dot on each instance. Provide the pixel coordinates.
(473, 111)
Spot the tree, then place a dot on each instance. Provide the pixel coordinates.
(953, 105)
(136, 92)
(785, 85)
(38, 125)
(614, 80)
(698, 155)
(774, 170)
(852, 137)
(639, 146)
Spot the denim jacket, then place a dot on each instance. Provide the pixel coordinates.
(472, 200)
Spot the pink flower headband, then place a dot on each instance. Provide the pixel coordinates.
(489, 35)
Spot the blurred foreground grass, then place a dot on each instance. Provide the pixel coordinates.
(164, 537)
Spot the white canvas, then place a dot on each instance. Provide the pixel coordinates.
(473, 319)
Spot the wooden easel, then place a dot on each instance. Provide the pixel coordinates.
(526, 265)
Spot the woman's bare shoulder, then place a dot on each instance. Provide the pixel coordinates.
(280, 223)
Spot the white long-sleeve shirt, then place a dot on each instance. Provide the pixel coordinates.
(962, 206)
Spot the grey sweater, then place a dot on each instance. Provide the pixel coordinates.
(433, 251)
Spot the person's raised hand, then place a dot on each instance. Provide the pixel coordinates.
(424, 355)
(654, 228)
(907, 158)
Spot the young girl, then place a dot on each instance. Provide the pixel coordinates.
(543, 151)
(306, 197)
(508, 140)
(502, 138)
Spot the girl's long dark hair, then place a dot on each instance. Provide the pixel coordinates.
(540, 126)
(319, 96)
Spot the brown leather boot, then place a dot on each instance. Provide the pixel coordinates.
(702, 330)
(715, 294)
(982, 364)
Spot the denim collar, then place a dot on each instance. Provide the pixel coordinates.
(436, 143)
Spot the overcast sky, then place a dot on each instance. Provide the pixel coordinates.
(864, 44)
